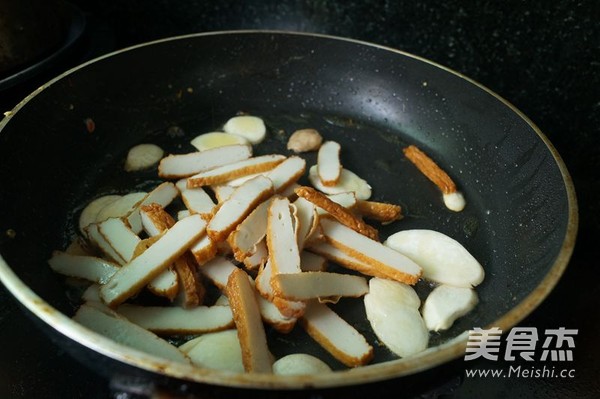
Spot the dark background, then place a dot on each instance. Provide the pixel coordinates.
(542, 56)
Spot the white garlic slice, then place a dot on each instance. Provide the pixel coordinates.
(300, 364)
(394, 318)
(217, 351)
(210, 140)
(143, 156)
(443, 259)
(445, 304)
(249, 127)
(455, 201)
(90, 212)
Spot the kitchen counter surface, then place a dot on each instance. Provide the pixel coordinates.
(542, 56)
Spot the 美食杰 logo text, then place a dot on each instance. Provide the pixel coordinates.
(540, 355)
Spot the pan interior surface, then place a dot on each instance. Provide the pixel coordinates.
(519, 219)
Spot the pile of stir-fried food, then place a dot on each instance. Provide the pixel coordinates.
(248, 228)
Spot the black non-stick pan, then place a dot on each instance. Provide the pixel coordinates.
(65, 145)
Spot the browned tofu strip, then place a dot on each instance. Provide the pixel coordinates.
(249, 232)
(185, 266)
(430, 169)
(329, 166)
(177, 166)
(141, 270)
(380, 211)
(232, 171)
(175, 320)
(251, 332)
(389, 262)
(218, 271)
(235, 209)
(340, 213)
(335, 335)
(341, 258)
(309, 285)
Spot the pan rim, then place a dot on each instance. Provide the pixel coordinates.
(432, 357)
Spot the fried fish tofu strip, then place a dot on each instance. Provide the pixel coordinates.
(453, 199)
(288, 308)
(251, 332)
(309, 285)
(335, 335)
(176, 320)
(329, 166)
(112, 325)
(249, 232)
(82, 266)
(336, 210)
(338, 256)
(184, 165)
(233, 211)
(196, 200)
(141, 270)
(287, 173)
(232, 171)
(281, 238)
(218, 271)
(163, 195)
(156, 221)
(380, 211)
(387, 261)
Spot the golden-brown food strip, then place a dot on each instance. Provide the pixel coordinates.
(141, 270)
(335, 335)
(380, 211)
(251, 332)
(232, 171)
(389, 262)
(185, 266)
(338, 256)
(235, 209)
(329, 166)
(184, 165)
(340, 213)
(310, 285)
(430, 169)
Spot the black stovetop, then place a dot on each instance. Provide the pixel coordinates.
(543, 56)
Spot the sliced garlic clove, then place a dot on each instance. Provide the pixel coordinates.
(300, 364)
(90, 212)
(394, 318)
(249, 127)
(348, 181)
(143, 156)
(217, 351)
(121, 207)
(210, 140)
(455, 201)
(445, 304)
(384, 289)
(443, 259)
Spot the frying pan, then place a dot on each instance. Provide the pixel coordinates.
(520, 220)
